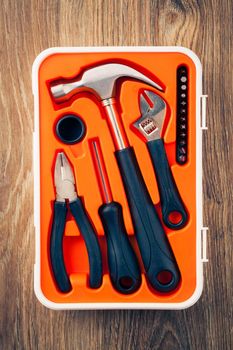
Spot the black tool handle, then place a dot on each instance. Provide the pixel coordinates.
(171, 201)
(155, 249)
(122, 261)
(56, 249)
(93, 249)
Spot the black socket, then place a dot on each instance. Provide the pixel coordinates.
(70, 129)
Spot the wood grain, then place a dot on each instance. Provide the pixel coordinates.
(28, 27)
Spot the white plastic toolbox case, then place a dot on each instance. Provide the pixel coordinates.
(188, 243)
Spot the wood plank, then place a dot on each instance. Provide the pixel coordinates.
(28, 27)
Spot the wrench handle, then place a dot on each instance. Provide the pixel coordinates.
(171, 201)
(156, 253)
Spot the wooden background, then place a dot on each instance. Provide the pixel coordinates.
(28, 27)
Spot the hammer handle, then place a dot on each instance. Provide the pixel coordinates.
(157, 255)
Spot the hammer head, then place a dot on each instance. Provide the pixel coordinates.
(101, 81)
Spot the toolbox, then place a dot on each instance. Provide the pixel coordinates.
(118, 177)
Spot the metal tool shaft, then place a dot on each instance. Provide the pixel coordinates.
(103, 177)
(115, 124)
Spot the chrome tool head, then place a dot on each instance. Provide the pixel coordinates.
(64, 179)
(101, 81)
(153, 109)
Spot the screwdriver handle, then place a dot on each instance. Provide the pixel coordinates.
(170, 199)
(122, 261)
(56, 248)
(157, 255)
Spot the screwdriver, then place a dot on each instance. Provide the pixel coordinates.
(123, 266)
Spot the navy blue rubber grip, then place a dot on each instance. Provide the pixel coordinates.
(170, 199)
(122, 261)
(56, 249)
(156, 253)
(93, 249)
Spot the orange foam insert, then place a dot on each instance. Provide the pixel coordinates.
(183, 242)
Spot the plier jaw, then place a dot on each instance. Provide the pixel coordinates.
(64, 179)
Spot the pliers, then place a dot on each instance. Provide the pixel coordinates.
(65, 190)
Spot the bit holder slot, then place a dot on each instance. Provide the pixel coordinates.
(182, 112)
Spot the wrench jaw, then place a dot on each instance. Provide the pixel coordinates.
(153, 109)
(147, 127)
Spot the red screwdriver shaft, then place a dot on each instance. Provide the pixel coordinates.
(101, 172)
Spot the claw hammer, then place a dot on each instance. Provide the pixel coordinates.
(159, 262)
